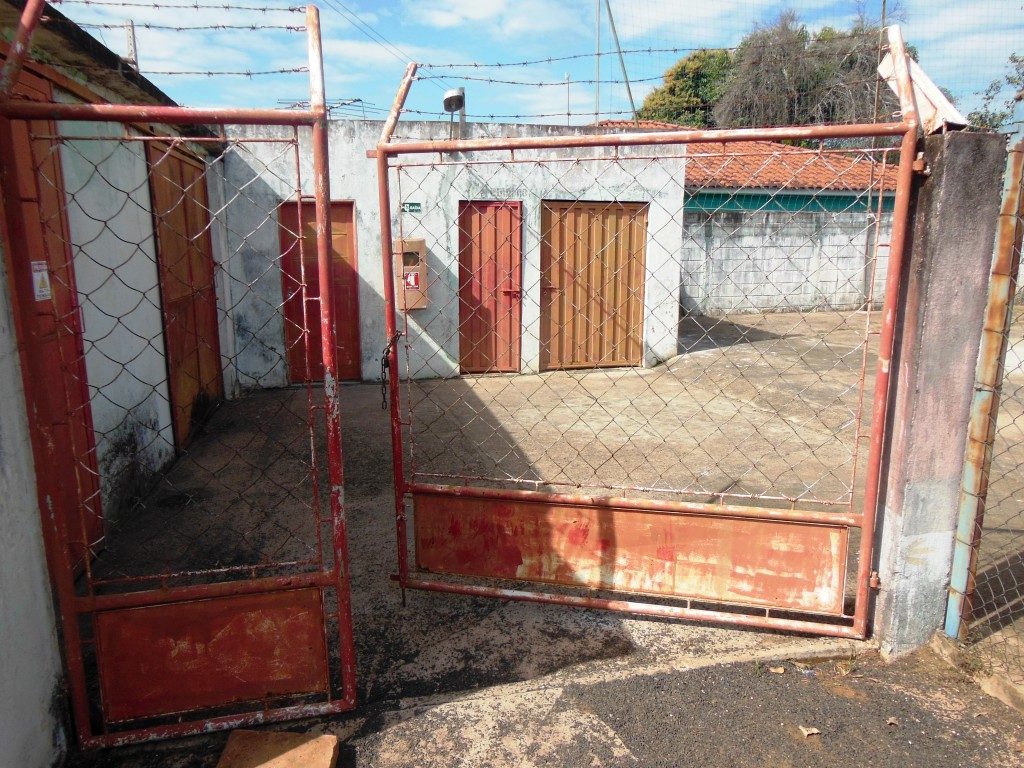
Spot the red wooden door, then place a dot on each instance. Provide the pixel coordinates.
(187, 293)
(301, 263)
(49, 325)
(490, 286)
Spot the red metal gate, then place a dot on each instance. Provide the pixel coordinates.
(194, 526)
(729, 470)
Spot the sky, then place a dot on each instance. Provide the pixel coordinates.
(963, 45)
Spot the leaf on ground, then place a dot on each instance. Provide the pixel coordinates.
(844, 668)
(892, 721)
(809, 731)
(777, 670)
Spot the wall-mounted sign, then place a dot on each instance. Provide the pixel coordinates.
(412, 280)
(41, 281)
(412, 207)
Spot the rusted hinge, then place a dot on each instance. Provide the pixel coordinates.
(920, 166)
(874, 582)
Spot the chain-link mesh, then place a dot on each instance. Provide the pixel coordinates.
(994, 613)
(201, 460)
(687, 323)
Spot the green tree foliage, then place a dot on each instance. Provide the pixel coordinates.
(784, 75)
(780, 74)
(693, 85)
(1000, 99)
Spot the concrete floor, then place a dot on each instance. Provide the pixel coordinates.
(447, 680)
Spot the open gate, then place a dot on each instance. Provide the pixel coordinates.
(689, 430)
(191, 476)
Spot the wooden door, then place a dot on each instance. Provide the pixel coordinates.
(187, 293)
(49, 328)
(592, 284)
(490, 286)
(345, 290)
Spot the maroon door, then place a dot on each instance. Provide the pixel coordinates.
(490, 286)
(345, 290)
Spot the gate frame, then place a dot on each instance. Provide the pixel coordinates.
(906, 128)
(985, 403)
(70, 605)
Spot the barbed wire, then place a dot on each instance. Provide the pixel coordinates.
(186, 5)
(186, 28)
(630, 51)
(542, 83)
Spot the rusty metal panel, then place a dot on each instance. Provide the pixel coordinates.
(592, 284)
(186, 656)
(780, 564)
(298, 268)
(490, 286)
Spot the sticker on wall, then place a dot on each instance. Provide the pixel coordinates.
(41, 281)
(412, 280)
(412, 207)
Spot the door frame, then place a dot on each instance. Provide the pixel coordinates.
(310, 201)
(517, 206)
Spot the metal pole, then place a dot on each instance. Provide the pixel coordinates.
(622, 61)
(887, 334)
(133, 48)
(20, 46)
(390, 323)
(597, 58)
(332, 407)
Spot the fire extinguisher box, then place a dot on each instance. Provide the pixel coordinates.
(411, 273)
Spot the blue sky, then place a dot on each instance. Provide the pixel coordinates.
(963, 46)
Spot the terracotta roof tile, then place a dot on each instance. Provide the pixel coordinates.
(770, 165)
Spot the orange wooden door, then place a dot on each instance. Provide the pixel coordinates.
(592, 284)
(301, 263)
(490, 286)
(50, 329)
(187, 292)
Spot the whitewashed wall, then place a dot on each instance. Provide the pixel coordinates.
(778, 261)
(114, 253)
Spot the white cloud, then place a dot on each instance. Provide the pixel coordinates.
(499, 18)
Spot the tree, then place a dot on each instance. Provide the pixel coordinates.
(999, 100)
(782, 74)
(693, 85)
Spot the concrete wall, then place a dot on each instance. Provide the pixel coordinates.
(735, 261)
(114, 252)
(267, 176)
(31, 730)
(946, 277)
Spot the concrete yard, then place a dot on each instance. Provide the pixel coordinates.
(446, 680)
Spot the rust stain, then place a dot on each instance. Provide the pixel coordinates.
(774, 563)
(188, 656)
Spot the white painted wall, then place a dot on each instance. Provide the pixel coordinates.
(434, 330)
(31, 732)
(114, 252)
(781, 261)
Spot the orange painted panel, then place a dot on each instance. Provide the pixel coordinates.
(345, 287)
(770, 563)
(188, 656)
(592, 284)
(490, 286)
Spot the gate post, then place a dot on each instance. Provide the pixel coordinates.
(954, 213)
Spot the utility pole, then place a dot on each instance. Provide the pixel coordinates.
(568, 99)
(622, 62)
(597, 58)
(133, 50)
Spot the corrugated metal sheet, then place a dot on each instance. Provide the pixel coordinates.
(490, 286)
(592, 284)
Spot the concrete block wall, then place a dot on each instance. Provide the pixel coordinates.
(736, 261)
